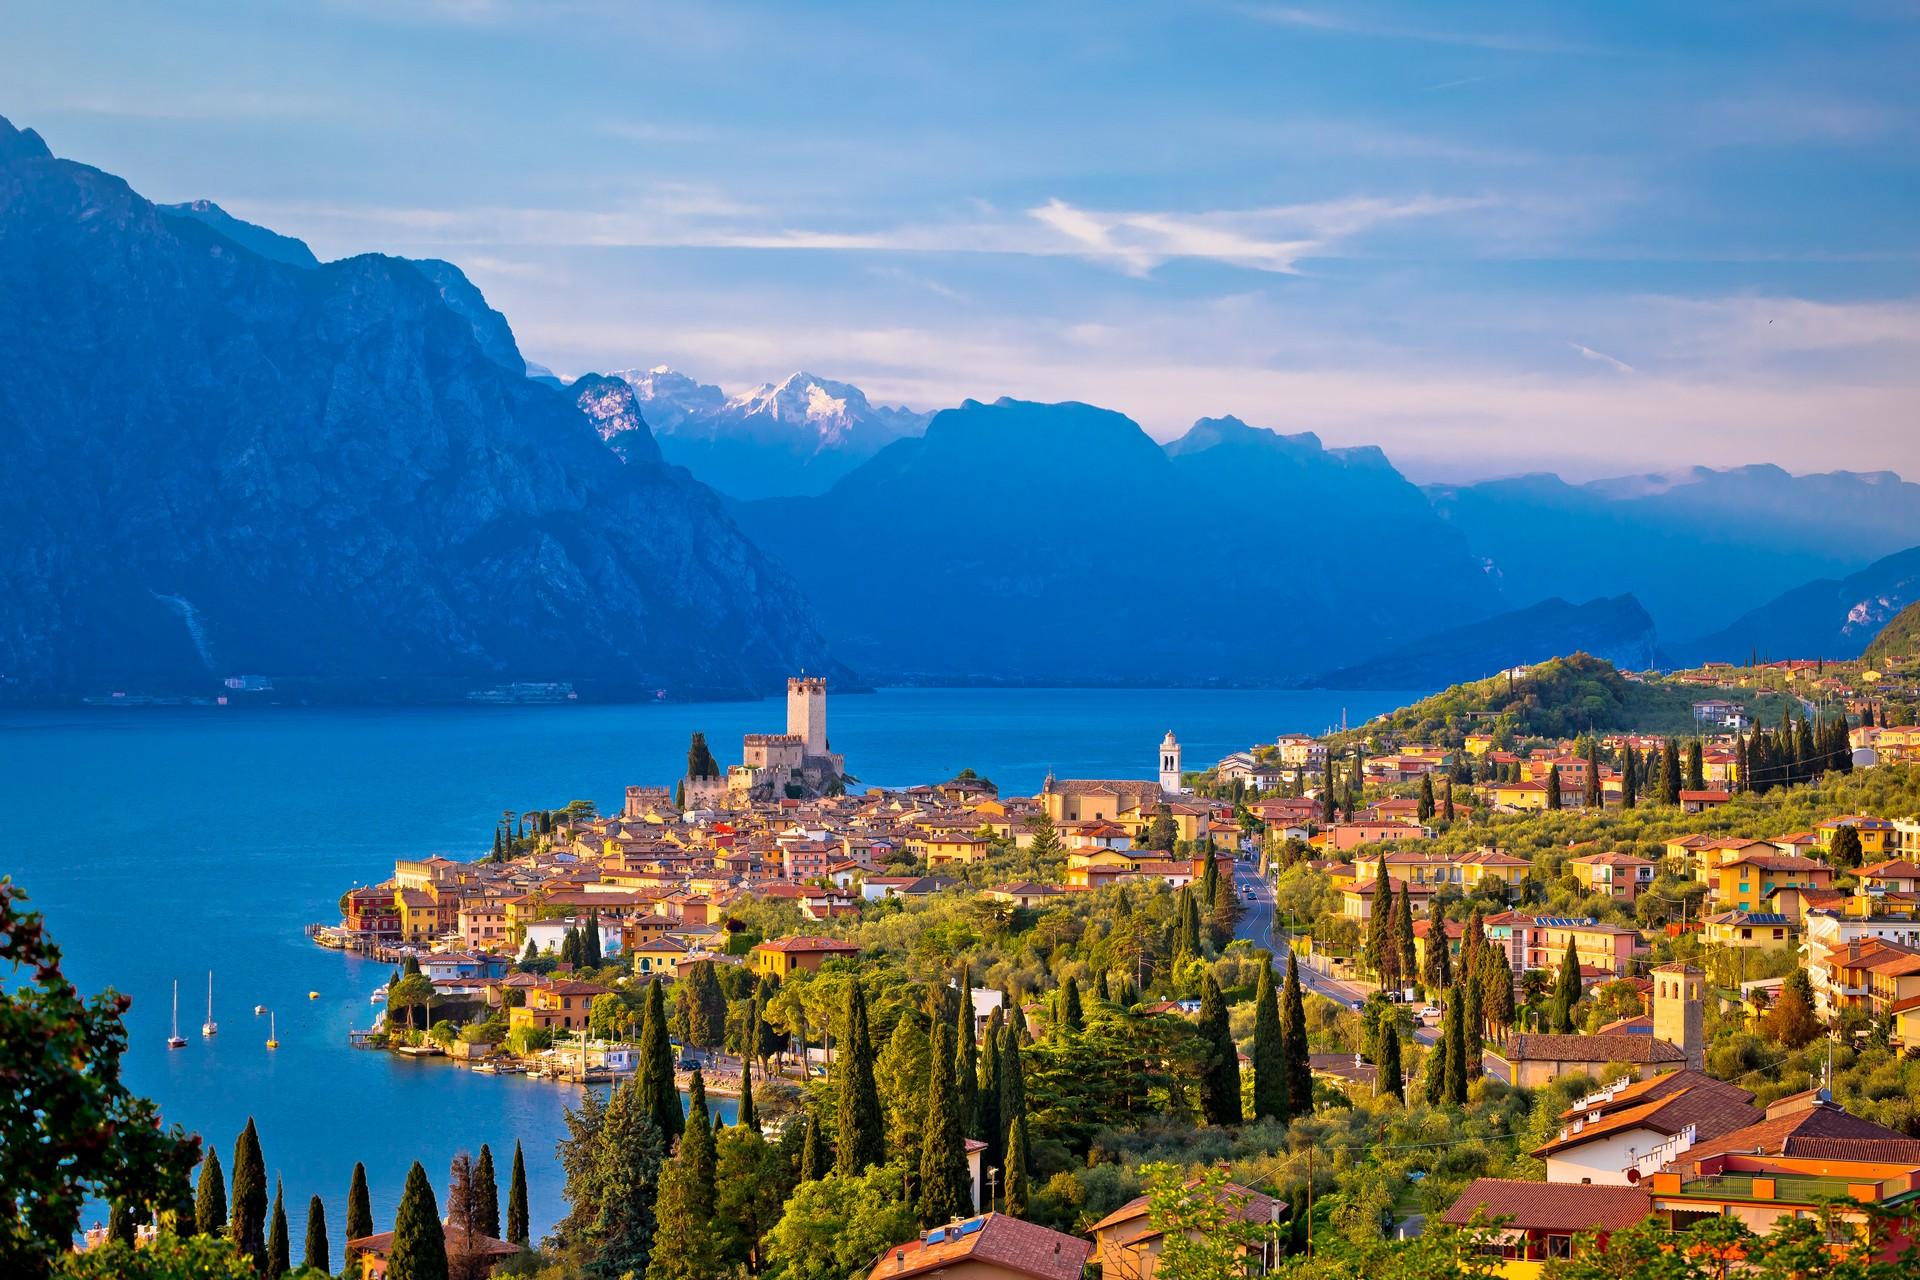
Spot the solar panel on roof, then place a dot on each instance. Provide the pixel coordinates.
(971, 1225)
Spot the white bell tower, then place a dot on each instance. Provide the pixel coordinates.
(1170, 764)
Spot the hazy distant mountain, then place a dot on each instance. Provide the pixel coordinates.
(328, 475)
(614, 410)
(268, 244)
(797, 436)
(1697, 547)
(1826, 618)
(1618, 630)
(1058, 543)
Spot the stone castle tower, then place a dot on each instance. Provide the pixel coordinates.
(1679, 990)
(1170, 764)
(807, 714)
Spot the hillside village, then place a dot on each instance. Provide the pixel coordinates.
(1616, 932)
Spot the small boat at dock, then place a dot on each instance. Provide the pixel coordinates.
(273, 1031)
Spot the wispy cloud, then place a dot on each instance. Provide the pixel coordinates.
(1601, 357)
(1343, 22)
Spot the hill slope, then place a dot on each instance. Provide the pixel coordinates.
(1829, 617)
(1900, 638)
(320, 473)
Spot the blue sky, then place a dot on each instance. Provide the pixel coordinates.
(1598, 238)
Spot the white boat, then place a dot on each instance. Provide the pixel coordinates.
(176, 1040)
(209, 1027)
(273, 1031)
(259, 1009)
(379, 996)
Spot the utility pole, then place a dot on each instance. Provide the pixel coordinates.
(1309, 1204)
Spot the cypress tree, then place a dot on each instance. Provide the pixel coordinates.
(966, 1061)
(1696, 767)
(697, 1146)
(1496, 997)
(419, 1242)
(1326, 791)
(120, 1224)
(1269, 1055)
(993, 1131)
(683, 1246)
(1426, 798)
(1472, 1026)
(659, 1094)
(1403, 938)
(1102, 991)
(862, 1141)
(359, 1206)
(590, 943)
(279, 1247)
(1017, 1166)
(1391, 1083)
(1566, 992)
(746, 1114)
(317, 1256)
(945, 1189)
(1670, 773)
(1293, 1039)
(1553, 786)
(1446, 802)
(1434, 1076)
(248, 1216)
(210, 1200)
(813, 1161)
(486, 1191)
(517, 1200)
(1220, 1086)
(1013, 1109)
(1457, 1046)
(1629, 783)
(1072, 1019)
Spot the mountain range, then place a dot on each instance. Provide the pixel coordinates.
(797, 436)
(347, 476)
(237, 459)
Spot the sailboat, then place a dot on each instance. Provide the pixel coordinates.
(209, 1027)
(176, 1040)
(273, 1031)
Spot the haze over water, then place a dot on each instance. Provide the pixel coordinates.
(162, 843)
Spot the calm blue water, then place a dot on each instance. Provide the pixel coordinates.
(161, 843)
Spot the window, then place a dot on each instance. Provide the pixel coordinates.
(1559, 1246)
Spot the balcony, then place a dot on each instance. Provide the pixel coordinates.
(1765, 1189)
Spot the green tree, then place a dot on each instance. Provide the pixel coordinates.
(1269, 1054)
(1070, 1017)
(1220, 1086)
(419, 1243)
(700, 761)
(1696, 770)
(1791, 1021)
(658, 1091)
(862, 1141)
(359, 1206)
(210, 1200)
(1456, 1045)
(1553, 786)
(1018, 1189)
(966, 1060)
(1472, 1029)
(1629, 778)
(1392, 1084)
(1496, 988)
(279, 1247)
(1670, 773)
(1203, 1226)
(945, 1188)
(1591, 793)
(1405, 962)
(1566, 993)
(813, 1160)
(1162, 831)
(684, 1245)
(1426, 809)
(166, 1257)
(69, 1129)
(1293, 1040)
(751, 1189)
(317, 1255)
(611, 1157)
(836, 1226)
(1382, 955)
(248, 1216)
(486, 1192)
(1844, 851)
(517, 1232)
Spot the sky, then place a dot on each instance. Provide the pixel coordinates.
(1593, 238)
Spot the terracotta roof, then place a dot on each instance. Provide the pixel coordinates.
(1808, 1125)
(805, 944)
(458, 1243)
(1615, 1048)
(1550, 1206)
(1020, 1247)
(1257, 1207)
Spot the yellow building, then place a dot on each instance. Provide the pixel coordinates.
(1518, 795)
(560, 1005)
(1757, 931)
(784, 956)
(1876, 834)
(1743, 883)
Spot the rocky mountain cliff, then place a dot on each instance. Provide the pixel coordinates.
(328, 474)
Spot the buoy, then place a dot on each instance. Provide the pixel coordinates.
(313, 995)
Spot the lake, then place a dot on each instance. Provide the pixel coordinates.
(161, 843)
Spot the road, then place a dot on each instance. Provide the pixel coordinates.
(1256, 925)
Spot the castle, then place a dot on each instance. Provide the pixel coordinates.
(798, 763)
